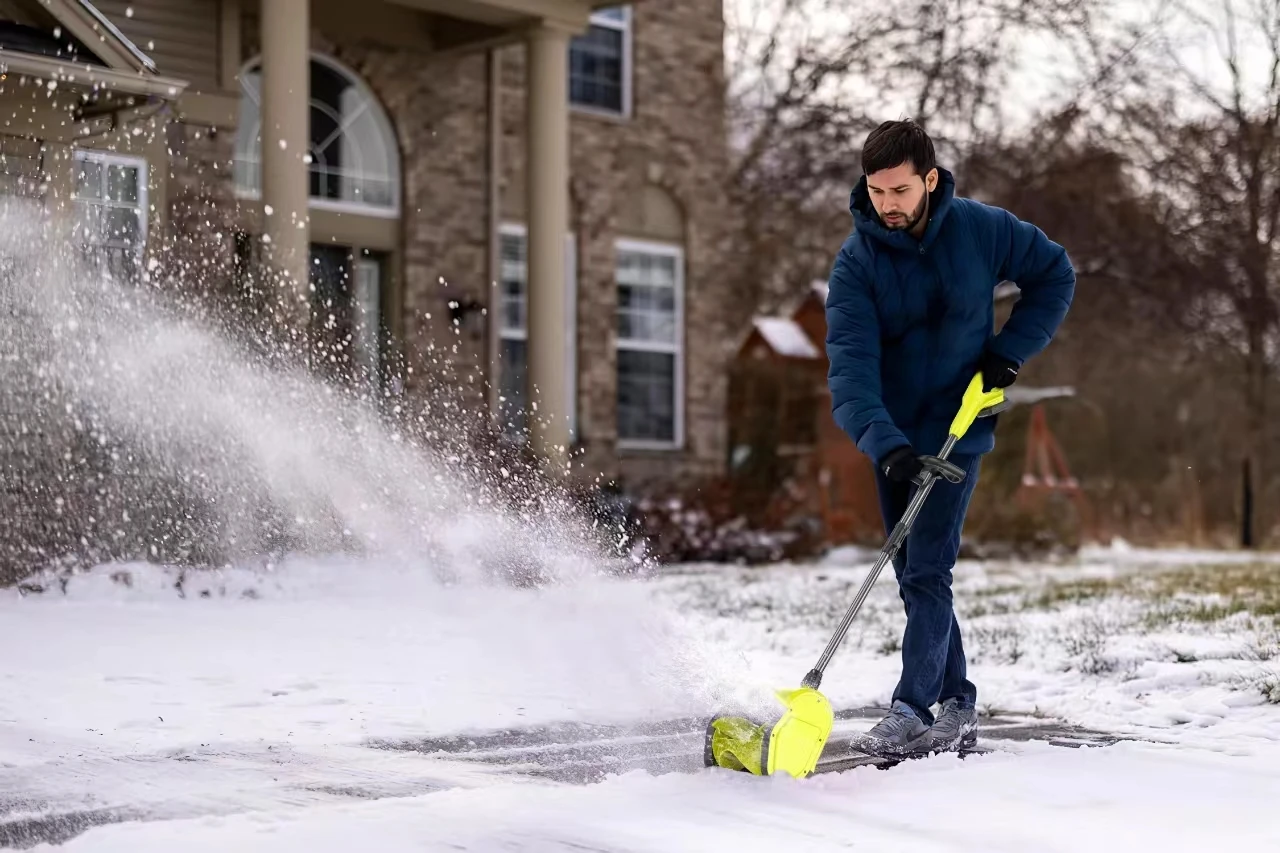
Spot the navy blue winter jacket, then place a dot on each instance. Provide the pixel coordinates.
(908, 318)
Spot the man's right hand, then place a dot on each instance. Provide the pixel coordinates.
(901, 465)
(997, 371)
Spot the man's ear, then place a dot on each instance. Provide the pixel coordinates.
(931, 179)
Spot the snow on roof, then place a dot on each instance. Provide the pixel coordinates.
(1026, 395)
(1006, 289)
(821, 287)
(786, 337)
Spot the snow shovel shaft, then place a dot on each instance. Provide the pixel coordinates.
(794, 742)
(930, 475)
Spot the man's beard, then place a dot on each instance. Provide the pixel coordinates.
(909, 222)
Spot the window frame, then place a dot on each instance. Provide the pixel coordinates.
(511, 228)
(370, 351)
(113, 158)
(676, 348)
(625, 26)
(380, 116)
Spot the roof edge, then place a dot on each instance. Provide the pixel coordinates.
(78, 74)
(87, 23)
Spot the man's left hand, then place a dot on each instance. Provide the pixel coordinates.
(997, 371)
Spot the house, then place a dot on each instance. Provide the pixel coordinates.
(536, 187)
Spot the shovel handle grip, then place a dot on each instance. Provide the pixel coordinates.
(977, 403)
(936, 467)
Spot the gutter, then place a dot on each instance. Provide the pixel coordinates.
(90, 76)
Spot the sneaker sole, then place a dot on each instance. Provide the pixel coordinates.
(923, 745)
(968, 740)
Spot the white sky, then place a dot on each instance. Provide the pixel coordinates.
(1044, 71)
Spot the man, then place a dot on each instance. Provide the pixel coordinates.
(910, 320)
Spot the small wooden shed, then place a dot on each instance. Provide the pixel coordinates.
(781, 433)
(783, 438)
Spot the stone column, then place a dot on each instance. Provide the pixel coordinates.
(547, 206)
(285, 133)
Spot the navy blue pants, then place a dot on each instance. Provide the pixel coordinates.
(933, 663)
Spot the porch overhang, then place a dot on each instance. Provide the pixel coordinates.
(442, 27)
(573, 15)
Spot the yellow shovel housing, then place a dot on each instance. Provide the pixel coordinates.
(793, 742)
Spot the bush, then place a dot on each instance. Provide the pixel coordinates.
(708, 521)
(999, 525)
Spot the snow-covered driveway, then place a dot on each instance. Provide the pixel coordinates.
(279, 713)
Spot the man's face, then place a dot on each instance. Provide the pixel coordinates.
(899, 195)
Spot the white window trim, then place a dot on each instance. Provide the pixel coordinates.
(628, 65)
(673, 250)
(334, 205)
(368, 342)
(111, 158)
(391, 211)
(519, 229)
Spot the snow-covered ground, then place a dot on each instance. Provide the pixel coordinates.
(243, 719)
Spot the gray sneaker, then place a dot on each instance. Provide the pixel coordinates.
(901, 732)
(955, 727)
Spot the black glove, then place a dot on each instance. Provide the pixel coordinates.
(901, 465)
(997, 371)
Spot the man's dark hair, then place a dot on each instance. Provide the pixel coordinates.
(897, 142)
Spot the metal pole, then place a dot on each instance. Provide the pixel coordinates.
(896, 538)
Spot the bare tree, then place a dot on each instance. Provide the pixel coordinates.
(809, 78)
(1206, 136)
(1143, 429)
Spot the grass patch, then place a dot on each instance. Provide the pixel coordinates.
(1184, 612)
(1007, 598)
(1269, 686)
(1210, 594)
(1002, 644)
(1085, 641)
(1073, 592)
(890, 645)
(1249, 586)
(1203, 594)
(996, 607)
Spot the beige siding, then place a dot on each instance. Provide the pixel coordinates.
(22, 13)
(21, 165)
(180, 35)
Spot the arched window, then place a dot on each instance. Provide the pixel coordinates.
(354, 161)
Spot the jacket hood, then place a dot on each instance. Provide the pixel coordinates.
(866, 220)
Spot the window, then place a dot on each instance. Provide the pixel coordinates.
(600, 63)
(370, 268)
(354, 160)
(650, 279)
(513, 346)
(346, 293)
(110, 201)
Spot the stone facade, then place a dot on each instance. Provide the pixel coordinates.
(674, 139)
(673, 142)
(658, 173)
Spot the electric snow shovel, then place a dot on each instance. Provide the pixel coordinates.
(793, 742)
